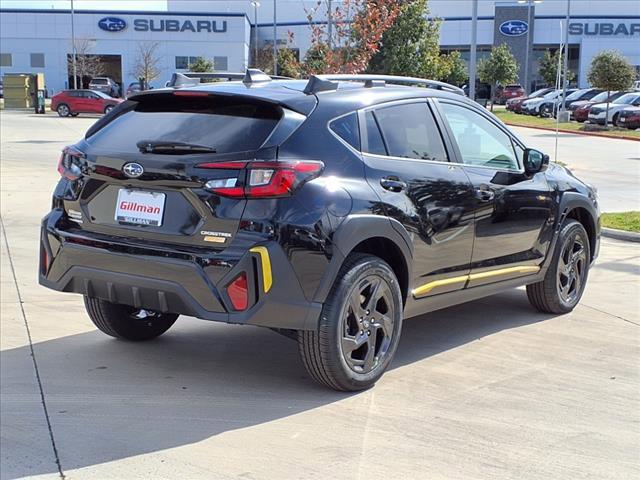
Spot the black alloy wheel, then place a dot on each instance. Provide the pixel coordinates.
(359, 328)
(566, 277)
(367, 324)
(572, 269)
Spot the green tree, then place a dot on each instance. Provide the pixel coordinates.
(455, 70)
(411, 46)
(500, 68)
(610, 70)
(315, 60)
(201, 64)
(548, 68)
(288, 64)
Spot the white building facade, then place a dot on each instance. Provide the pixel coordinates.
(40, 41)
(223, 31)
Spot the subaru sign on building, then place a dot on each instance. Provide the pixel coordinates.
(514, 28)
(112, 24)
(39, 40)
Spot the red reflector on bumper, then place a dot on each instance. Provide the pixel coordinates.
(238, 292)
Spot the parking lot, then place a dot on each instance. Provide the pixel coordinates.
(488, 389)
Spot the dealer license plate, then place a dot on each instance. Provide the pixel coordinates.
(139, 207)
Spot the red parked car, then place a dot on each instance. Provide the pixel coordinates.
(630, 118)
(509, 91)
(73, 102)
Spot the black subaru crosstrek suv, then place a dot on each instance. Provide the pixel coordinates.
(327, 209)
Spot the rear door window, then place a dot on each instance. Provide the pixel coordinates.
(410, 131)
(375, 144)
(224, 124)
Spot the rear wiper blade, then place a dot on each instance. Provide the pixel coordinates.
(160, 146)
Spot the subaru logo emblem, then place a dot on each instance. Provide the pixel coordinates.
(132, 170)
(513, 28)
(112, 24)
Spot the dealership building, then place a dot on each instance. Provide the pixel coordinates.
(226, 31)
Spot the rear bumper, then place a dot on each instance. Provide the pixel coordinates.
(170, 280)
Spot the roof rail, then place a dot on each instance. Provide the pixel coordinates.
(372, 80)
(191, 79)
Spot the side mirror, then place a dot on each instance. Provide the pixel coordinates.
(535, 161)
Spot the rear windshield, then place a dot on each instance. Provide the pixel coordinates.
(99, 81)
(224, 124)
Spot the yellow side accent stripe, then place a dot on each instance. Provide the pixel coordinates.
(427, 287)
(505, 271)
(265, 261)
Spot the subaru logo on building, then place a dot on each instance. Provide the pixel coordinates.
(112, 24)
(514, 28)
(132, 170)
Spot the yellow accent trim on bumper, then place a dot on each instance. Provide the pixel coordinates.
(427, 287)
(265, 261)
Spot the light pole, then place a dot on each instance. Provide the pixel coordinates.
(74, 51)
(275, 39)
(472, 56)
(329, 25)
(526, 55)
(566, 57)
(255, 4)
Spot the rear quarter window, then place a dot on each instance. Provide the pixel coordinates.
(347, 129)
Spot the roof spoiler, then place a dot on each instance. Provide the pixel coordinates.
(322, 83)
(251, 76)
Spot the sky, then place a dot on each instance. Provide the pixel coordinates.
(149, 5)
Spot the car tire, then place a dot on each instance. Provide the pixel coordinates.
(351, 350)
(107, 109)
(63, 110)
(566, 278)
(127, 323)
(614, 120)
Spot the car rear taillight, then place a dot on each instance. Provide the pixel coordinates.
(69, 164)
(238, 292)
(262, 179)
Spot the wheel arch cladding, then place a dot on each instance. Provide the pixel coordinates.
(577, 206)
(583, 216)
(388, 251)
(373, 234)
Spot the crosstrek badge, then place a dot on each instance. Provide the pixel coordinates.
(140, 208)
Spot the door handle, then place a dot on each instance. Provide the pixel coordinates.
(485, 195)
(393, 184)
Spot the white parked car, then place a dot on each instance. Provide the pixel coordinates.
(598, 112)
(532, 106)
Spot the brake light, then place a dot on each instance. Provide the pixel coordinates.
(68, 165)
(263, 179)
(238, 292)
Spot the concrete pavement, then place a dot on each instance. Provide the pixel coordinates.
(489, 389)
(611, 164)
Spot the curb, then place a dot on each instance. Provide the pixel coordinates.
(586, 134)
(621, 235)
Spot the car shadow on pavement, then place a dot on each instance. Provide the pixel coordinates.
(110, 400)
